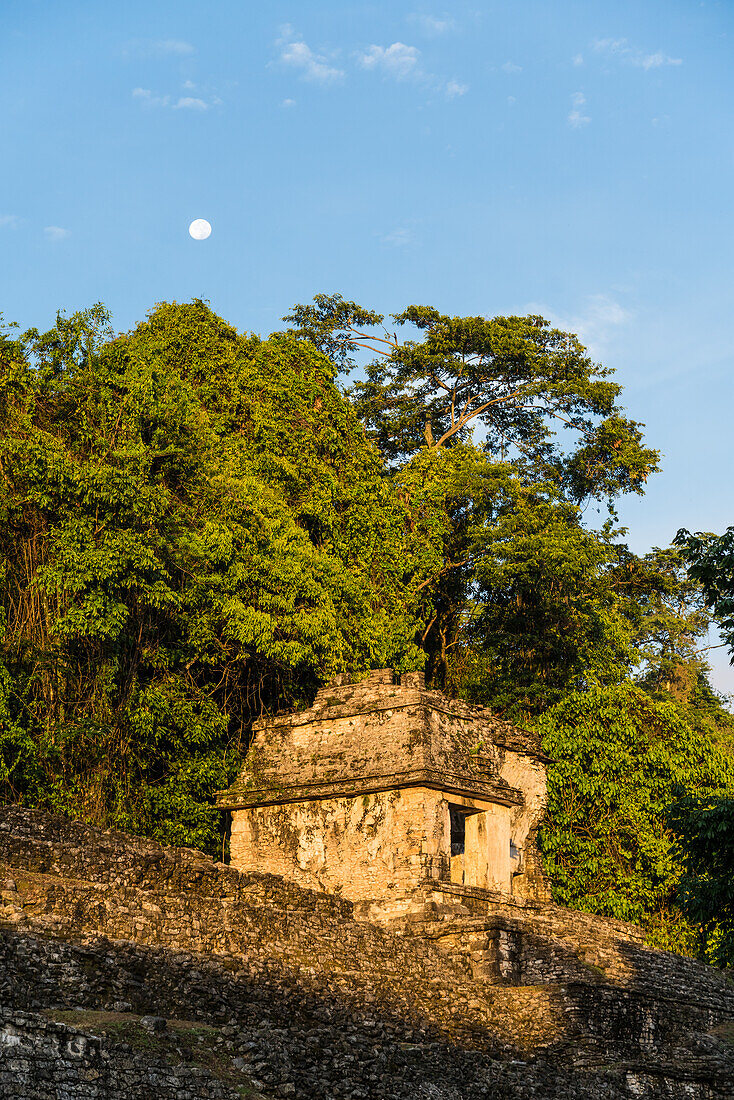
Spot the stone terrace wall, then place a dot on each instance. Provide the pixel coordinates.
(299, 1044)
(44, 1060)
(322, 1006)
(541, 944)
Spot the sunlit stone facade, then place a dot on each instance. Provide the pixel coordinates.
(389, 794)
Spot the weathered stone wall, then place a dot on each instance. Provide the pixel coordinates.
(294, 1043)
(514, 1001)
(527, 773)
(380, 845)
(317, 1038)
(350, 735)
(315, 747)
(41, 1059)
(356, 847)
(353, 794)
(490, 749)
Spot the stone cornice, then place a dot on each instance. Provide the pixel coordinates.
(242, 797)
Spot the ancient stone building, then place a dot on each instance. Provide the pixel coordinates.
(391, 796)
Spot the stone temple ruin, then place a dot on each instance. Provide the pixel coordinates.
(393, 797)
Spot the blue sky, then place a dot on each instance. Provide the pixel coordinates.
(574, 159)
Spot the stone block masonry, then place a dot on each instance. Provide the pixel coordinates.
(490, 998)
(43, 1059)
(381, 787)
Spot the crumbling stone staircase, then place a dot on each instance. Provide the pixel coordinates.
(503, 1001)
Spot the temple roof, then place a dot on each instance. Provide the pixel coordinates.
(381, 733)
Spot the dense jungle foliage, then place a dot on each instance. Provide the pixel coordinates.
(200, 526)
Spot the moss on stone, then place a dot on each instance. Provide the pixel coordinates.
(187, 1041)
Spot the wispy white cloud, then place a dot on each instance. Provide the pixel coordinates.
(432, 25)
(56, 233)
(316, 67)
(453, 88)
(175, 46)
(398, 60)
(655, 60)
(288, 103)
(401, 62)
(631, 55)
(190, 103)
(578, 59)
(177, 103)
(397, 238)
(576, 116)
(146, 96)
(610, 45)
(163, 47)
(599, 319)
(511, 67)
(9, 221)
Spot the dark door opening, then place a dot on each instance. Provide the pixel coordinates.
(458, 830)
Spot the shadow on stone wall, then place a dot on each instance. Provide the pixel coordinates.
(309, 1002)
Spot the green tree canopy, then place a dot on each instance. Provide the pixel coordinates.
(710, 561)
(621, 760)
(194, 529)
(494, 432)
(521, 603)
(518, 599)
(704, 824)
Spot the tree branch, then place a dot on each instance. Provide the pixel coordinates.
(448, 569)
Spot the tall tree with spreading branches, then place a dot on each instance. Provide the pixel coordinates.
(515, 384)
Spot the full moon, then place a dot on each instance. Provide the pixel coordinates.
(200, 229)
